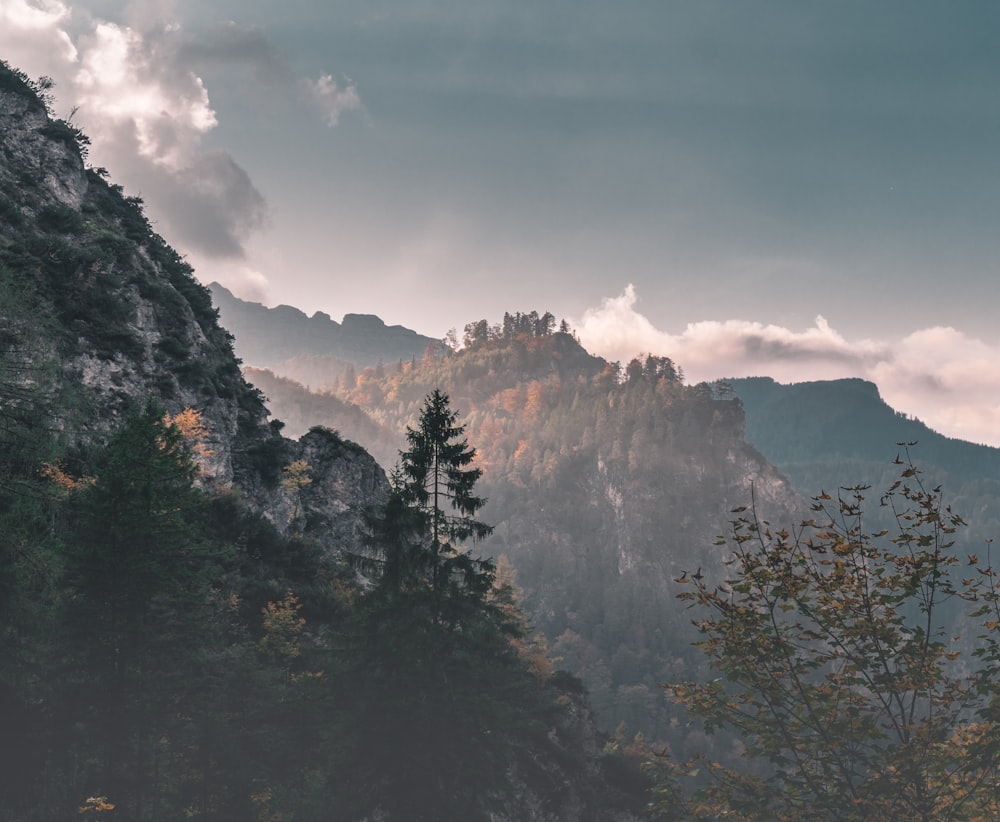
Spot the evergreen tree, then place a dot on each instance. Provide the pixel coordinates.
(133, 614)
(437, 481)
(436, 690)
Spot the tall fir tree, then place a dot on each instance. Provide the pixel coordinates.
(436, 479)
(437, 689)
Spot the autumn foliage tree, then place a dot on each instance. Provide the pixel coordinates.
(849, 668)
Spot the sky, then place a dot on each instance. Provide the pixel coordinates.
(794, 188)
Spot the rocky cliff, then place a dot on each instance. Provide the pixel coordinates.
(114, 318)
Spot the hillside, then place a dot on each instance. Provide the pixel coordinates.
(301, 409)
(184, 631)
(841, 432)
(603, 486)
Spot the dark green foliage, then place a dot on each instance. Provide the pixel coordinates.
(16, 81)
(60, 219)
(436, 478)
(439, 691)
(30, 563)
(136, 602)
(132, 666)
(437, 696)
(265, 458)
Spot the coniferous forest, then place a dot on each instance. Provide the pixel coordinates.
(524, 610)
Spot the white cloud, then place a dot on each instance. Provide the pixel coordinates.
(32, 36)
(947, 379)
(331, 99)
(130, 82)
(146, 113)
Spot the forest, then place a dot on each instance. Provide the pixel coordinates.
(168, 654)
(847, 650)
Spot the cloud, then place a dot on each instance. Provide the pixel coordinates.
(211, 202)
(242, 280)
(618, 331)
(230, 43)
(147, 113)
(944, 377)
(132, 82)
(135, 93)
(32, 38)
(332, 100)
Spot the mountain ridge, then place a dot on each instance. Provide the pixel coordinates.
(276, 337)
(604, 485)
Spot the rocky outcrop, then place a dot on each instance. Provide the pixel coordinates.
(122, 321)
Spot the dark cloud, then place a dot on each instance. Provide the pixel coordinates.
(228, 43)
(759, 347)
(212, 205)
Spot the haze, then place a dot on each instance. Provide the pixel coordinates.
(800, 190)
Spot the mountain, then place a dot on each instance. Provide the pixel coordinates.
(301, 409)
(314, 350)
(181, 621)
(604, 485)
(828, 434)
(113, 317)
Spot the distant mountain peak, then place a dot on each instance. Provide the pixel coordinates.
(271, 337)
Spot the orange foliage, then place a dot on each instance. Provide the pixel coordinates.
(194, 432)
(519, 454)
(63, 481)
(95, 804)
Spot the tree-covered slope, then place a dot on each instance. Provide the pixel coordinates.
(833, 433)
(604, 484)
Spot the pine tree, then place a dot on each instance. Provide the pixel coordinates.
(436, 480)
(436, 687)
(135, 606)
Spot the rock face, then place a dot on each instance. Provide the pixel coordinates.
(117, 319)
